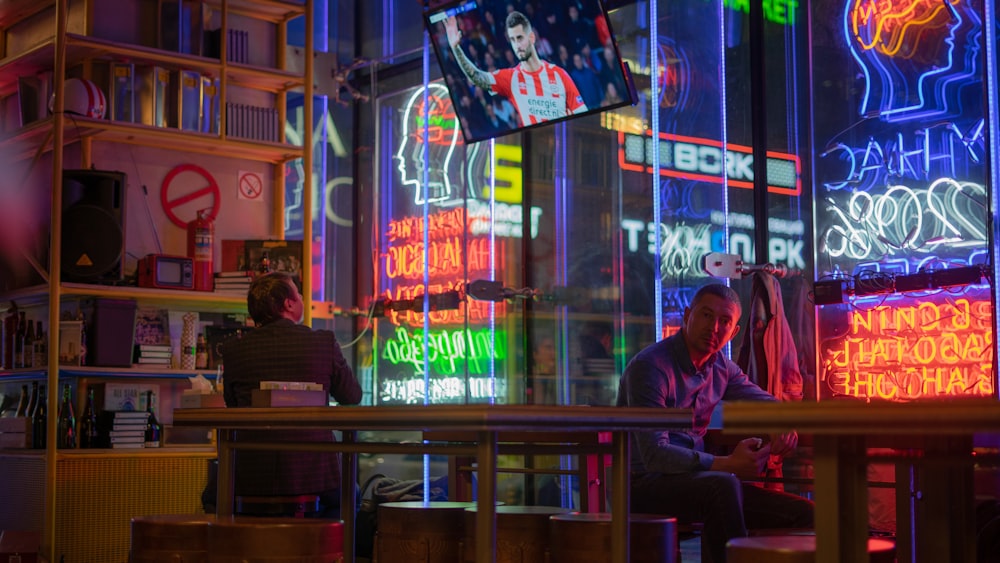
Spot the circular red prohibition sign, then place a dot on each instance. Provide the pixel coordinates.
(210, 190)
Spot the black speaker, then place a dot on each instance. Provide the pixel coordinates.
(93, 226)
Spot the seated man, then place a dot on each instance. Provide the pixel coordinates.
(672, 473)
(282, 349)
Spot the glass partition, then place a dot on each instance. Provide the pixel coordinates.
(902, 208)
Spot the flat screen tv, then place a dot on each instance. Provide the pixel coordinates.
(510, 68)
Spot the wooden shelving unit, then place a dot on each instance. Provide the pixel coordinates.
(44, 473)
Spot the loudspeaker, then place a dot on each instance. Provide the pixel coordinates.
(93, 226)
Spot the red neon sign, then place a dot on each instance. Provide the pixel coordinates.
(910, 351)
(705, 160)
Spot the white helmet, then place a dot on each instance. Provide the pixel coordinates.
(82, 97)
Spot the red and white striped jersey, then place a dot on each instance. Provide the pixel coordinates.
(548, 93)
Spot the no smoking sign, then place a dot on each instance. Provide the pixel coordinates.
(251, 186)
(187, 189)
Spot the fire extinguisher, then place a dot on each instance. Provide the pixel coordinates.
(201, 240)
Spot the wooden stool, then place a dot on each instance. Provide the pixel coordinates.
(419, 532)
(297, 506)
(795, 549)
(170, 538)
(578, 537)
(522, 533)
(252, 539)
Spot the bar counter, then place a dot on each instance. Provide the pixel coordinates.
(492, 425)
(935, 436)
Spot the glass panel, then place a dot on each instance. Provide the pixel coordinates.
(902, 207)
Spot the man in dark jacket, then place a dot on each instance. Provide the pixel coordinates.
(281, 349)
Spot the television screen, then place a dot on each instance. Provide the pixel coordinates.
(508, 69)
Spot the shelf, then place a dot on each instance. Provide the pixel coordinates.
(13, 11)
(26, 142)
(201, 300)
(207, 301)
(80, 48)
(133, 372)
(106, 373)
(275, 11)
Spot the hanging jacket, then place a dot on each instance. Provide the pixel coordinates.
(768, 354)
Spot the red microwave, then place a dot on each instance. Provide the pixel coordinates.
(166, 272)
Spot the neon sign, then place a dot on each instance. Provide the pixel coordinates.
(682, 244)
(910, 351)
(941, 149)
(705, 160)
(775, 11)
(441, 390)
(907, 53)
(439, 115)
(449, 352)
(507, 220)
(946, 216)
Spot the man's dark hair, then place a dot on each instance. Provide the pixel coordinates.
(516, 18)
(266, 297)
(719, 290)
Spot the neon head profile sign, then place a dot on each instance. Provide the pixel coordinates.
(913, 54)
(442, 136)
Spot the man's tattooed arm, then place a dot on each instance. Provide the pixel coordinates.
(478, 77)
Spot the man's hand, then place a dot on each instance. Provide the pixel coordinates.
(747, 460)
(451, 28)
(784, 444)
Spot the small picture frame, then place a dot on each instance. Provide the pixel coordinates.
(71, 351)
(282, 255)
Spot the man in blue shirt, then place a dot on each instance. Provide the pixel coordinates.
(672, 473)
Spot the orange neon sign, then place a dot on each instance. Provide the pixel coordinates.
(890, 25)
(918, 350)
(441, 224)
(449, 256)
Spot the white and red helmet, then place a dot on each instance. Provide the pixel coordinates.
(82, 97)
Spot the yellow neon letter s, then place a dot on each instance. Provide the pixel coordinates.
(509, 186)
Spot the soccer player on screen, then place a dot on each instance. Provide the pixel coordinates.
(540, 90)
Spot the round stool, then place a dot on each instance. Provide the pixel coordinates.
(415, 531)
(252, 539)
(795, 549)
(578, 537)
(522, 533)
(170, 538)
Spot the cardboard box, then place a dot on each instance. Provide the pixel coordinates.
(202, 401)
(20, 545)
(125, 396)
(15, 432)
(15, 440)
(15, 424)
(288, 398)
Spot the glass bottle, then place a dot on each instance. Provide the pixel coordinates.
(9, 332)
(28, 345)
(88, 423)
(22, 403)
(39, 348)
(66, 436)
(83, 339)
(22, 325)
(201, 352)
(152, 425)
(32, 400)
(38, 420)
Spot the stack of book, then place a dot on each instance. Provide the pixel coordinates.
(154, 355)
(237, 282)
(125, 429)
